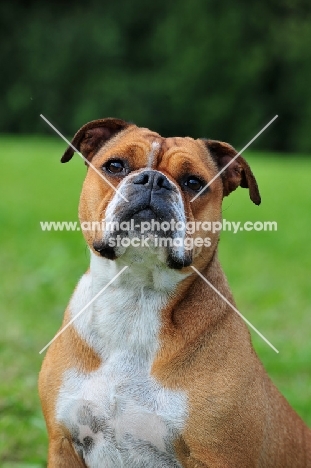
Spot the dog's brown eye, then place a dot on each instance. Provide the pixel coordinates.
(194, 183)
(115, 167)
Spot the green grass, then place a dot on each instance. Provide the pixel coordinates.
(269, 273)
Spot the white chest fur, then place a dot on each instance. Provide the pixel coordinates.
(119, 415)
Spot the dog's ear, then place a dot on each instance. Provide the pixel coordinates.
(238, 173)
(92, 136)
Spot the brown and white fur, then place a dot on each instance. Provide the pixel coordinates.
(159, 371)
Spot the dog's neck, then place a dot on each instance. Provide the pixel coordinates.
(126, 315)
(147, 297)
(151, 281)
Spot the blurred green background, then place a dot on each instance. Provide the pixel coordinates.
(197, 67)
(200, 68)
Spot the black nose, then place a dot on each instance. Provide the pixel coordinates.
(153, 179)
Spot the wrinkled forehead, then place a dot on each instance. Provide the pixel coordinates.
(170, 144)
(152, 149)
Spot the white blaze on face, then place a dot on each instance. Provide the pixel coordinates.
(153, 153)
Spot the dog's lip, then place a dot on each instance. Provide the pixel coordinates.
(145, 214)
(145, 208)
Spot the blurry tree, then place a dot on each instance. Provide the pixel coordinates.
(190, 67)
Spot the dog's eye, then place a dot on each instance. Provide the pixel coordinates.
(114, 167)
(194, 183)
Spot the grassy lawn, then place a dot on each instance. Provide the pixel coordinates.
(269, 273)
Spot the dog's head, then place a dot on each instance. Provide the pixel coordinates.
(142, 190)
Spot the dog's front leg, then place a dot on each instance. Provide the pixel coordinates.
(63, 455)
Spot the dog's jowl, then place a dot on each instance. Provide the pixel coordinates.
(158, 370)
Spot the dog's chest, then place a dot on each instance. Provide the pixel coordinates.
(119, 415)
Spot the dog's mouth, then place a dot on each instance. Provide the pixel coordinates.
(145, 232)
(144, 227)
(144, 215)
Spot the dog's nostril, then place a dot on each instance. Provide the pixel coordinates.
(159, 181)
(142, 179)
(153, 179)
(162, 182)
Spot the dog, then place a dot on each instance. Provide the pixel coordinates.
(154, 368)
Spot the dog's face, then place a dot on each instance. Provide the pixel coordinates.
(146, 198)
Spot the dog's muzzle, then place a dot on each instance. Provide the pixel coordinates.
(151, 197)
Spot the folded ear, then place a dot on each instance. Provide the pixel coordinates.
(92, 136)
(238, 173)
